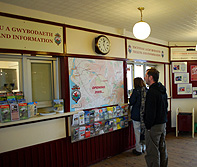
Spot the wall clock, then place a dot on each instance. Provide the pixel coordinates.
(102, 45)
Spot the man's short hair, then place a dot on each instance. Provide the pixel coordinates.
(154, 73)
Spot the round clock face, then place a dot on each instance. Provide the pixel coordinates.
(103, 45)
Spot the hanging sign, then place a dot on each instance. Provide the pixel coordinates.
(28, 35)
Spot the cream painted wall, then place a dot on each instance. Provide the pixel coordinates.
(184, 105)
(82, 42)
(182, 43)
(30, 134)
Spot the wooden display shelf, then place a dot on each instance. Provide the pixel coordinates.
(36, 119)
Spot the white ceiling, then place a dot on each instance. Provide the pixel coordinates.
(170, 20)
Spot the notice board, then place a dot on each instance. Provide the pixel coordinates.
(184, 79)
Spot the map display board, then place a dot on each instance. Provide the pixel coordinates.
(95, 83)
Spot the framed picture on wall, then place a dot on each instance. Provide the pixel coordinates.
(181, 78)
(194, 93)
(193, 69)
(184, 89)
(179, 67)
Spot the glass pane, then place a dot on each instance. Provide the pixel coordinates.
(148, 67)
(9, 76)
(129, 79)
(41, 82)
(139, 71)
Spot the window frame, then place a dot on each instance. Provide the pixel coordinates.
(25, 74)
(133, 64)
(27, 60)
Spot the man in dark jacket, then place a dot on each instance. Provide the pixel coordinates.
(155, 119)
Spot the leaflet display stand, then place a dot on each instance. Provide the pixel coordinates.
(184, 121)
(90, 123)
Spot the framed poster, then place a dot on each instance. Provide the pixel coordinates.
(194, 93)
(179, 67)
(184, 89)
(181, 78)
(193, 69)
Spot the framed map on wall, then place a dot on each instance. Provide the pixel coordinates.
(95, 83)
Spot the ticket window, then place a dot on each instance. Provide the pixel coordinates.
(37, 77)
(42, 82)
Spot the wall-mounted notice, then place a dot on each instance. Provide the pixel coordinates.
(181, 78)
(28, 35)
(184, 89)
(181, 53)
(148, 52)
(179, 67)
(95, 83)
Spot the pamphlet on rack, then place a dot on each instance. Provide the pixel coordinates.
(105, 113)
(19, 95)
(75, 134)
(75, 121)
(81, 117)
(110, 112)
(87, 132)
(58, 105)
(87, 117)
(14, 112)
(96, 115)
(5, 113)
(3, 97)
(32, 109)
(23, 112)
(82, 132)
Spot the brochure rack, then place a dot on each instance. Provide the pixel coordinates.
(97, 122)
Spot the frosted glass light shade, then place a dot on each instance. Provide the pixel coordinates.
(141, 30)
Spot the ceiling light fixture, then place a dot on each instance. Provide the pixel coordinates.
(141, 30)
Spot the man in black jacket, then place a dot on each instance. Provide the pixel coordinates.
(155, 119)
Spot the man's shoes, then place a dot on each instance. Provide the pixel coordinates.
(136, 152)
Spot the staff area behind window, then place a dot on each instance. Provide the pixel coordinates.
(9, 75)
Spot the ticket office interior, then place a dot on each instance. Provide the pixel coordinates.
(22, 67)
